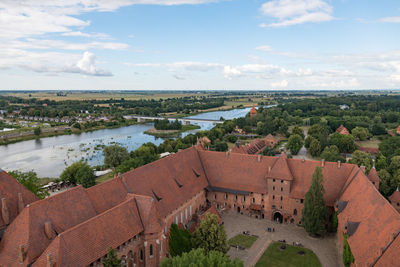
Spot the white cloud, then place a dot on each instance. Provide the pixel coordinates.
(265, 48)
(185, 65)
(281, 84)
(88, 35)
(30, 43)
(293, 12)
(87, 65)
(391, 19)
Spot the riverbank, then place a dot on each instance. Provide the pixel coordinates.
(171, 133)
(57, 131)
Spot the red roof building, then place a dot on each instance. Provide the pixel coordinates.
(395, 199)
(342, 130)
(398, 129)
(133, 212)
(253, 111)
(256, 146)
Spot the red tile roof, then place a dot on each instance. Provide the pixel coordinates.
(373, 176)
(378, 221)
(236, 171)
(342, 130)
(334, 178)
(395, 197)
(88, 241)
(280, 169)
(9, 189)
(64, 211)
(253, 110)
(158, 179)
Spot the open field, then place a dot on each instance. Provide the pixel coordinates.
(275, 257)
(373, 143)
(100, 95)
(242, 240)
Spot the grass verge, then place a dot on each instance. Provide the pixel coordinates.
(245, 241)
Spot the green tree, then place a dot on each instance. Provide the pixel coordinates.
(314, 212)
(79, 172)
(335, 222)
(294, 144)
(331, 153)
(37, 131)
(114, 155)
(210, 235)
(390, 146)
(179, 241)
(299, 131)
(198, 257)
(362, 159)
(315, 148)
(348, 257)
(381, 162)
(112, 259)
(388, 184)
(361, 133)
(394, 167)
(221, 146)
(31, 182)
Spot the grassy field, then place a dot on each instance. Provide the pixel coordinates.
(373, 143)
(275, 257)
(243, 240)
(100, 95)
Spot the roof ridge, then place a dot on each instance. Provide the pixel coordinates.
(348, 184)
(387, 247)
(202, 166)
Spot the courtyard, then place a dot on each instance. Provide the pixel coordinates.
(325, 249)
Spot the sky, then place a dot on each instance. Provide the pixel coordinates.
(199, 44)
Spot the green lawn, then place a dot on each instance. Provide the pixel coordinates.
(275, 257)
(243, 240)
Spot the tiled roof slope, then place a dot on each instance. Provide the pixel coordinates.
(334, 177)
(237, 171)
(390, 256)
(280, 169)
(9, 189)
(395, 197)
(107, 195)
(378, 221)
(90, 240)
(373, 176)
(149, 214)
(64, 210)
(171, 181)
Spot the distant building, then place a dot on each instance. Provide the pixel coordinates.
(395, 199)
(256, 146)
(398, 130)
(342, 130)
(343, 107)
(253, 111)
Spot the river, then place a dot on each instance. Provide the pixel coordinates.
(48, 157)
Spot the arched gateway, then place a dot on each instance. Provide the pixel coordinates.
(278, 217)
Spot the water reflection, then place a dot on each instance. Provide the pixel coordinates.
(49, 156)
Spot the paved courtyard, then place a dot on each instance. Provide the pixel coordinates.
(325, 249)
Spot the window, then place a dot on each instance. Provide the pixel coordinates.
(190, 210)
(281, 189)
(262, 200)
(301, 200)
(295, 212)
(215, 196)
(236, 197)
(244, 198)
(151, 250)
(273, 188)
(273, 180)
(176, 219)
(165, 229)
(398, 204)
(226, 196)
(186, 217)
(141, 255)
(281, 181)
(281, 198)
(181, 217)
(253, 200)
(273, 197)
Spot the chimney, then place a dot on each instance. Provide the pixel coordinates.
(48, 229)
(49, 262)
(362, 168)
(4, 211)
(21, 253)
(21, 204)
(338, 164)
(259, 158)
(322, 163)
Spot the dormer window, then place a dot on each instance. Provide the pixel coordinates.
(273, 180)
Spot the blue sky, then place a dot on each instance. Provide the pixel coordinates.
(200, 44)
